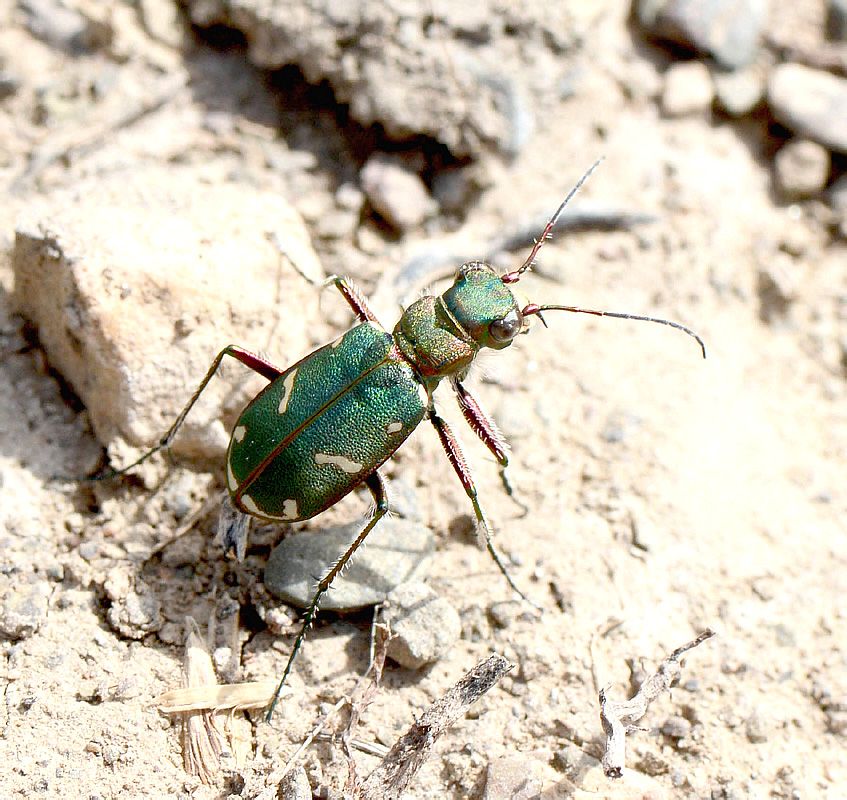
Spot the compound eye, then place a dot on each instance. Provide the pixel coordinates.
(505, 329)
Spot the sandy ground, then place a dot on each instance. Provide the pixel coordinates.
(666, 494)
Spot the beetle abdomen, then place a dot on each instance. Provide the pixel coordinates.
(325, 424)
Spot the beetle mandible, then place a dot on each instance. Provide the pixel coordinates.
(326, 424)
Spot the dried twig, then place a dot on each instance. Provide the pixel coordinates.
(393, 776)
(618, 718)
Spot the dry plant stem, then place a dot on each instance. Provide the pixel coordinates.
(618, 718)
(393, 776)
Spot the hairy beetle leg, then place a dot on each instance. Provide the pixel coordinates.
(375, 483)
(487, 431)
(355, 300)
(460, 465)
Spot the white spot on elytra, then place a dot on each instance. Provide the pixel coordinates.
(231, 482)
(289, 509)
(342, 462)
(423, 395)
(394, 427)
(238, 433)
(250, 505)
(337, 342)
(287, 386)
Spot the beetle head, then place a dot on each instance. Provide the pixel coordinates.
(485, 306)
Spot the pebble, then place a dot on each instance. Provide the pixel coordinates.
(688, 89)
(23, 609)
(739, 91)
(517, 777)
(63, 27)
(504, 613)
(777, 287)
(756, 728)
(801, 169)
(811, 103)
(162, 20)
(728, 30)
(294, 786)
(395, 552)
(676, 727)
(136, 614)
(397, 194)
(424, 625)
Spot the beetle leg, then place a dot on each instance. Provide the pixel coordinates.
(258, 364)
(375, 483)
(355, 300)
(487, 431)
(460, 465)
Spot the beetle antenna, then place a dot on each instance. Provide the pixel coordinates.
(515, 276)
(532, 308)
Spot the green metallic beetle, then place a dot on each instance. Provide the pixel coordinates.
(326, 424)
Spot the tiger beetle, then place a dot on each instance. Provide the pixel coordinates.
(325, 425)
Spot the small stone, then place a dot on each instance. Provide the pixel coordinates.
(728, 30)
(295, 786)
(397, 194)
(567, 758)
(63, 27)
(688, 90)
(88, 551)
(740, 91)
(349, 197)
(424, 625)
(504, 613)
(810, 102)
(801, 169)
(755, 728)
(651, 763)
(111, 754)
(137, 614)
(395, 552)
(676, 727)
(514, 776)
(23, 609)
(778, 287)
(162, 20)
(118, 583)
